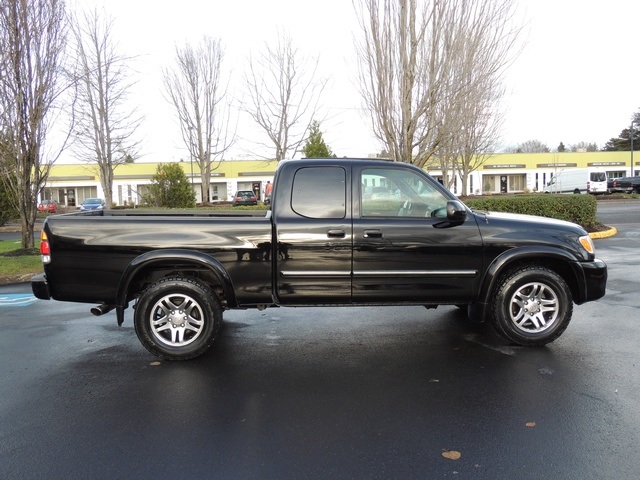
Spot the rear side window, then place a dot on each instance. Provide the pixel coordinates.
(319, 192)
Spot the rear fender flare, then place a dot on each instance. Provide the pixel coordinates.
(163, 258)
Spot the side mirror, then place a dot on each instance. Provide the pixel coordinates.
(456, 215)
(456, 211)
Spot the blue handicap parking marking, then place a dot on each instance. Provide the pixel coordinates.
(17, 300)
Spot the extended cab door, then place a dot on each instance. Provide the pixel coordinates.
(405, 249)
(314, 234)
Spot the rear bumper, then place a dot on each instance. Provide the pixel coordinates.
(40, 287)
(595, 276)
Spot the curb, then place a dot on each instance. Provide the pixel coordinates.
(15, 279)
(606, 234)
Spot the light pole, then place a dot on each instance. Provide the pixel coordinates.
(631, 136)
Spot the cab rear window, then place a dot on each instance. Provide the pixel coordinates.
(320, 192)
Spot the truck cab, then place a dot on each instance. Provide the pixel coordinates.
(374, 231)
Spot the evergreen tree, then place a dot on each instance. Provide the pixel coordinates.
(170, 188)
(8, 203)
(623, 141)
(561, 148)
(316, 146)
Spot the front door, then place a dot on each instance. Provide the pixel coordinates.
(402, 253)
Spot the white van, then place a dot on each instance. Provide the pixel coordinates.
(578, 180)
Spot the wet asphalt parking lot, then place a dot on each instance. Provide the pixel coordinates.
(328, 392)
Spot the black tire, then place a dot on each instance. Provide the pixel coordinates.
(177, 318)
(531, 306)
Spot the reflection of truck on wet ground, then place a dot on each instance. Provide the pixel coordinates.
(626, 184)
(578, 180)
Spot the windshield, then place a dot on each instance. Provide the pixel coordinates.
(92, 201)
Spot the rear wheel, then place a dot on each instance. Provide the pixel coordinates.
(531, 306)
(177, 318)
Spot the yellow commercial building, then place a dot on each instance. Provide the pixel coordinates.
(500, 173)
(71, 184)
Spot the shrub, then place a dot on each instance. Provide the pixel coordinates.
(170, 188)
(580, 209)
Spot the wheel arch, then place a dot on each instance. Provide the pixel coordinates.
(145, 268)
(556, 259)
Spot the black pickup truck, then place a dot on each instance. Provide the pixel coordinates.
(339, 232)
(626, 184)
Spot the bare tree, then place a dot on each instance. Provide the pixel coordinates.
(194, 86)
(32, 42)
(486, 44)
(584, 147)
(430, 73)
(403, 71)
(105, 121)
(283, 95)
(532, 146)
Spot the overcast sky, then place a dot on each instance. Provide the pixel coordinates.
(575, 80)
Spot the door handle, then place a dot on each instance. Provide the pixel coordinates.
(336, 233)
(373, 233)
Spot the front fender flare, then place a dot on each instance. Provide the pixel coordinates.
(527, 254)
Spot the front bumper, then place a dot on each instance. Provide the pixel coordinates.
(40, 287)
(595, 276)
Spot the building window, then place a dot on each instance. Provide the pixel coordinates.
(517, 183)
(488, 183)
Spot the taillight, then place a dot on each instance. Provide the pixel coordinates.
(588, 186)
(45, 248)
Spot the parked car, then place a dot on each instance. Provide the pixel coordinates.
(244, 197)
(49, 206)
(92, 204)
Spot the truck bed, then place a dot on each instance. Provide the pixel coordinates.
(92, 250)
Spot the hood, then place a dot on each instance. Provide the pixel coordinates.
(510, 230)
(530, 221)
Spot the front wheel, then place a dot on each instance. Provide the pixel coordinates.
(177, 318)
(531, 306)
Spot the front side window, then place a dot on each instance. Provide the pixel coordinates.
(320, 192)
(387, 192)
